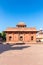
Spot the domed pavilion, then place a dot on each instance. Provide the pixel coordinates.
(21, 34)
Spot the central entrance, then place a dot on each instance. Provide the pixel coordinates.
(21, 38)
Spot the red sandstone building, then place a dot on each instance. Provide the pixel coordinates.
(39, 36)
(21, 34)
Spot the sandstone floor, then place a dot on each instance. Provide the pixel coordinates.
(28, 54)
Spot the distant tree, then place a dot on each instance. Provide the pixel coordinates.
(3, 36)
(0, 35)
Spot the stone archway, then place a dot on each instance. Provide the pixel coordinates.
(21, 38)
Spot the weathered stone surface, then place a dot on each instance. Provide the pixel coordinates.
(28, 54)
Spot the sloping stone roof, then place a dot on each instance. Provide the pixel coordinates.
(21, 29)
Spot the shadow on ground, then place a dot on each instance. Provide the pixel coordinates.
(7, 47)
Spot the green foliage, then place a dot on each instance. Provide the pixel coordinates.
(3, 36)
(0, 35)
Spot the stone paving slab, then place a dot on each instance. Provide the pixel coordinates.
(28, 54)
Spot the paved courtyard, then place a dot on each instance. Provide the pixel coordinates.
(28, 54)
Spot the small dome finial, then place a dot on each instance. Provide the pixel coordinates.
(21, 24)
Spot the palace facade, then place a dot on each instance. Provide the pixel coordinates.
(21, 34)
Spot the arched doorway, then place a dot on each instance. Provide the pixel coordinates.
(21, 38)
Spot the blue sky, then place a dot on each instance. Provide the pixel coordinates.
(28, 11)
